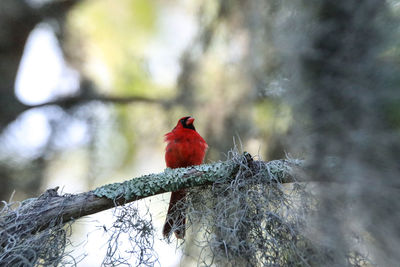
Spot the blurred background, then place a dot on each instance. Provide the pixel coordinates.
(88, 88)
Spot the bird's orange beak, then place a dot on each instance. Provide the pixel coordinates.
(190, 121)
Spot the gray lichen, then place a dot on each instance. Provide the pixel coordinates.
(175, 179)
(169, 180)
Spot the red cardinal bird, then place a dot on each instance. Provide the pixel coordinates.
(185, 147)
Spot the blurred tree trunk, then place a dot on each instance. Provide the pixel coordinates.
(17, 20)
(345, 89)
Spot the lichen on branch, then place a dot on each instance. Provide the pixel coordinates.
(22, 224)
(167, 181)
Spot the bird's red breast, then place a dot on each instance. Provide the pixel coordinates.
(185, 147)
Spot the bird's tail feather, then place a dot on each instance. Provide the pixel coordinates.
(176, 219)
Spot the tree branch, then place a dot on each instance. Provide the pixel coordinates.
(43, 211)
(80, 99)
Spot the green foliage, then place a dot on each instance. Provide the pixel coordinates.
(118, 35)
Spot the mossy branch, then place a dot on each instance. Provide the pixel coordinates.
(52, 209)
